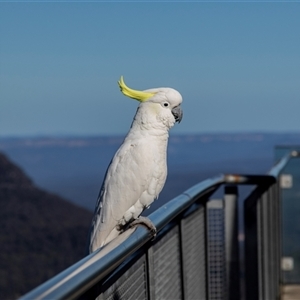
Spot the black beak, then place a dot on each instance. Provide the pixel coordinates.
(177, 113)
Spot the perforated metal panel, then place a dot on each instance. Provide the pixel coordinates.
(194, 257)
(131, 285)
(216, 250)
(165, 267)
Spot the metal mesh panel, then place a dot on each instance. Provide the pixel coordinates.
(216, 250)
(194, 260)
(164, 257)
(131, 285)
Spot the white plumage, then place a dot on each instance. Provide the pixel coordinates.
(138, 170)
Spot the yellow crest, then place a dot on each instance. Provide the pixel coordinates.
(134, 94)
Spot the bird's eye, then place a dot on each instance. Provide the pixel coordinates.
(165, 104)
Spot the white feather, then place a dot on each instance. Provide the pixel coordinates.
(138, 170)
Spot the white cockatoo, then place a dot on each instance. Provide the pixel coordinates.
(138, 170)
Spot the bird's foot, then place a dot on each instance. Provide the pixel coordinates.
(120, 227)
(146, 222)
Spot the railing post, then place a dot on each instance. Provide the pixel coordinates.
(255, 243)
(231, 242)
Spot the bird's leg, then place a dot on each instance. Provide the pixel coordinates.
(124, 222)
(146, 222)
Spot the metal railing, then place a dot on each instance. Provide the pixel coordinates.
(195, 254)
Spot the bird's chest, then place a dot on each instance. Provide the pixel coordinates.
(152, 153)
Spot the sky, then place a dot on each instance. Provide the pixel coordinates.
(236, 64)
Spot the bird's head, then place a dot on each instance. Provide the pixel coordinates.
(163, 102)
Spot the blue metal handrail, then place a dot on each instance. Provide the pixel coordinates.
(80, 277)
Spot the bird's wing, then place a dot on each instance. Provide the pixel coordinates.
(125, 181)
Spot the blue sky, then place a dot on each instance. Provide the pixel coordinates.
(236, 64)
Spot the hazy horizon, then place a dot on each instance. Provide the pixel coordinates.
(171, 134)
(73, 167)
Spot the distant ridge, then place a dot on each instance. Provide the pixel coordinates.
(41, 234)
(74, 166)
(85, 141)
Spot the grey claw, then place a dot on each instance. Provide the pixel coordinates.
(146, 222)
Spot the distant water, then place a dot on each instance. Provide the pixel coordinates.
(73, 167)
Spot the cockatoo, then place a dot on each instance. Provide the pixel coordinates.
(138, 170)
